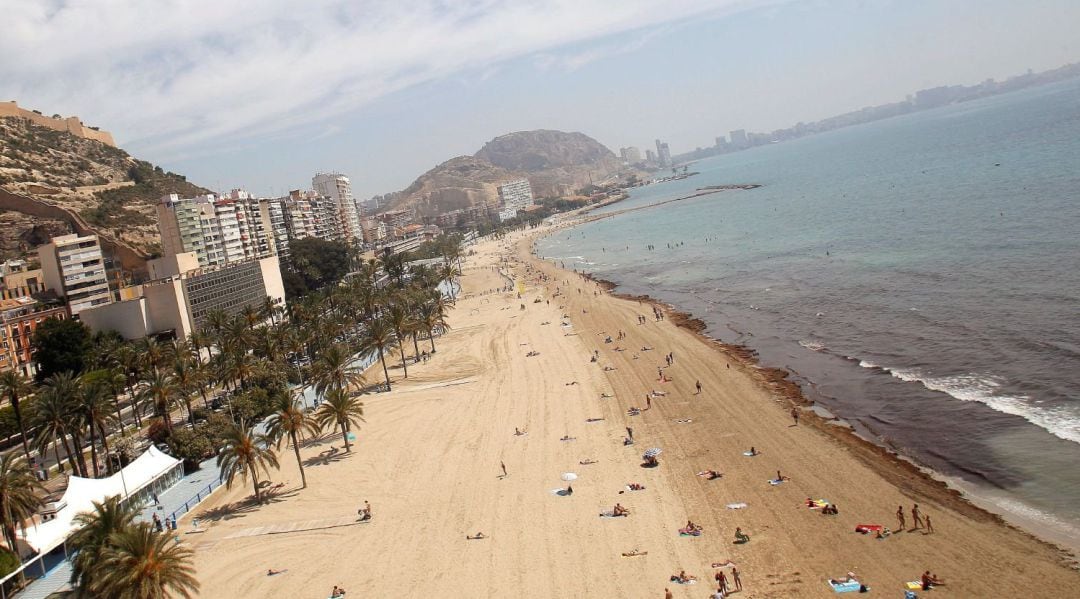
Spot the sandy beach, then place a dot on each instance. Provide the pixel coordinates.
(429, 457)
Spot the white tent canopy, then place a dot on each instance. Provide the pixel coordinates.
(83, 492)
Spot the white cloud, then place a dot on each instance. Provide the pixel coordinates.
(170, 75)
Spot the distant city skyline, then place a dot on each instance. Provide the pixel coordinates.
(385, 94)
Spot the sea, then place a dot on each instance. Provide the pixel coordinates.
(918, 276)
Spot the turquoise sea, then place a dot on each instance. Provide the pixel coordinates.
(920, 276)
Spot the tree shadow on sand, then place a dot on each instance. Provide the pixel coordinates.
(271, 493)
(327, 457)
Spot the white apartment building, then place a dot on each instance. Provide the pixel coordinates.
(74, 267)
(338, 188)
(308, 214)
(222, 230)
(514, 196)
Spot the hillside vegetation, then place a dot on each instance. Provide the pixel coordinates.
(113, 191)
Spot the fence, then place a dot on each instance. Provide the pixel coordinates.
(194, 501)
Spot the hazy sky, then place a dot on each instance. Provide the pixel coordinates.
(261, 94)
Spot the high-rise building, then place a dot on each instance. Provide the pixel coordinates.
(513, 197)
(222, 230)
(663, 154)
(338, 188)
(630, 155)
(650, 157)
(738, 138)
(74, 268)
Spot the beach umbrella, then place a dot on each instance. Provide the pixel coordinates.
(652, 452)
(569, 476)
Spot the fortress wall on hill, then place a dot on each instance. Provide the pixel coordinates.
(71, 124)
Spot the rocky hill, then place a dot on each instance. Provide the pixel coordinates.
(555, 162)
(111, 191)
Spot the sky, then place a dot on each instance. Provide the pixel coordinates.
(262, 94)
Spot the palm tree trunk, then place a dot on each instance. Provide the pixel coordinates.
(431, 338)
(403, 366)
(105, 447)
(93, 450)
(386, 372)
(191, 415)
(76, 442)
(299, 463)
(70, 455)
(135, 406)
(56, 456)
(416, 345)
(19, 422)
(119, 417)
(255, 482)
(345, 436)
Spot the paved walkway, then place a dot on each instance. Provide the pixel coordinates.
(184, 495)
(191, 489)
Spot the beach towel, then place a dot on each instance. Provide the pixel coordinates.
(677, 581)
(689, 533)
(684, 421)
(559, 492)
(818, 504)
(727, 564)
(914, 585)
(610, 515)
(628, 488)
(775, 482)
(635, 554)
(868, 528)
(751, 455)
(736, 506)
(845, 587)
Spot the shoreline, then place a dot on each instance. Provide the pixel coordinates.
(904, 471)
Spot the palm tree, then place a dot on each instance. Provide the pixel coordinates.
(92, 538)
(270, 310)
(378, 336)
(15, 386)
(20, 497)
(398, 317)
(245, 453)
(95, 406)
(56, 418)
(333, 370)
(447, 272)
(342, 410)
(140, 563)
(433, 318)
(251, 316)
(160, 390)
(152, 353)
(290, 419)
(131, 362)
(186, 379)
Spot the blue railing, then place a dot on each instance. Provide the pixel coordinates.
(194, 501)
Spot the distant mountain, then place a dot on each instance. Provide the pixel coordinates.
(97, 184)
(556, 163)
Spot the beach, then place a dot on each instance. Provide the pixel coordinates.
(428, 460)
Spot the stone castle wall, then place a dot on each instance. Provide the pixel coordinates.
(71, 124)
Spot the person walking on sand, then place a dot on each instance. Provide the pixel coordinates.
(735, 578)
(668, 595)
(721, 581)
(795, 415)
(697, 385)
(630, 433)
(929, 525)
(900, 517)
(916, 518)
(503, 466)
(648, 401)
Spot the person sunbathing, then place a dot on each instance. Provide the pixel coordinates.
(882, 533)
(609, 368)
(567, 438)
(682, 577)
(477, 536)
(646, 348)
(273, 572)
(587, 461)
(753, 452)
(844, 579)
(740, 536)
(337, 592)
(691, 527)
(711, 474)
(780, 477)
(929, 581)
(636, 487)
(619, 510)
(830, 510)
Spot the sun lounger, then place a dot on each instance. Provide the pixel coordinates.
(736, 506)
(852, 586)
